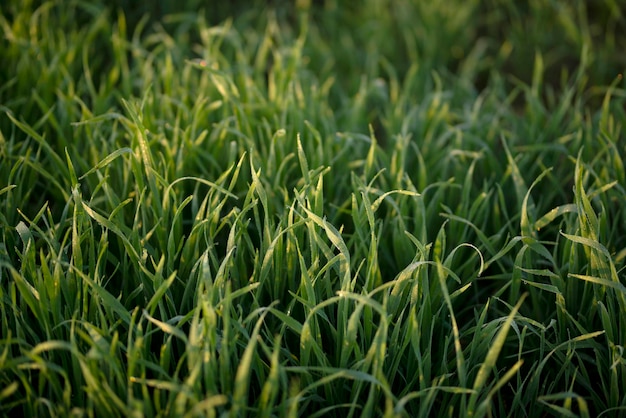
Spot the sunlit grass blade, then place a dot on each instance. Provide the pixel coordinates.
(492, 355)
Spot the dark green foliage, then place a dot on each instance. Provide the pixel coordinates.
(396, 208)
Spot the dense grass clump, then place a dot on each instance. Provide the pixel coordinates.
(380, 208)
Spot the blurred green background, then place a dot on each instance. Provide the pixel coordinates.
(502, 35)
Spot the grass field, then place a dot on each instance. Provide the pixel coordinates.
(373, 208)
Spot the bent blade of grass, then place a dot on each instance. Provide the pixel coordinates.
(349, 343)
(244, 370)
(158, 384)
(492, 356)
(100, 118)
(335, 373)
(9, 390)
(28, 130)
(106, 223)
(272, 384)
(588, 242)
(448, 261)
(569, 345)
(268, 258)
(7, 188)
(484, 406)
(107, 160)
(518, 180)
(304, 165)
(71, 170)
(553, 214)
(484, 239)
(606, 268)
(308, 343)
(604, 282)
(588, 220)
(305, 278)
(460, 357)
(376, 204)
(525, 225)
(237, 293)
(159, 293)
(287, 320)
(566, 397)
(107, 298)
(543, 272)
(402, 402)
(335, 237)
(260, 191)
(175, 237)
(329, 409)
(139, 131)
(508, 247)
(207, 406)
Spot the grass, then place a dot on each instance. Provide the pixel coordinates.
(382, 209)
